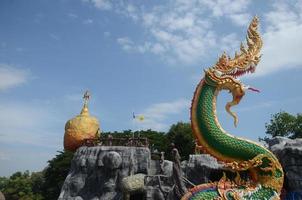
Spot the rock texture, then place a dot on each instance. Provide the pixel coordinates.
(289, 153)
(116, 172)
(202, 168)
(2, 196)
(97, 172)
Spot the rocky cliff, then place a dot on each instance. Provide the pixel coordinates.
(98, 173)
(289, 153)
(117, 172)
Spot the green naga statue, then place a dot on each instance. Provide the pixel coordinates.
(266, 174)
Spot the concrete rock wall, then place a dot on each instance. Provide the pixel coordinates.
(289, 153)
(97, 172)
(108, 172)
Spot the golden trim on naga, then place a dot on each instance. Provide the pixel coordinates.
(246, 56)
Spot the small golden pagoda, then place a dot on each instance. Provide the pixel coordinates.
(81, 127)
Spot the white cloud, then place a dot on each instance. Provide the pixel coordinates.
(29, 124)
(241, 19)
(181, 31)
(282, 39)
(100, 4)
(157, 48)
(178, 31)
(34, 128)
(126, 43)
(88, 21)
(34, 122)
(127, 9)
(229, 43)
(221, 8)
(11, 77)
(30, 158)
(72, 15)
(236, 11)
(4, 156)
(54, 36)
(157, 114)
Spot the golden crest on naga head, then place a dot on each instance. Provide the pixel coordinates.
(243, 62)
(81, 127)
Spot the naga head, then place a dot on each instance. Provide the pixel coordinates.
(225, 72)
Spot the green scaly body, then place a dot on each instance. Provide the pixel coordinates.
(228, 148)
(215, 136)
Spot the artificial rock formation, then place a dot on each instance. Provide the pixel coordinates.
(119, 172)
(202, 168)
(289, 152)
(101, 172)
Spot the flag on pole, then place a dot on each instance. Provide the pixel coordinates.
(138, 117)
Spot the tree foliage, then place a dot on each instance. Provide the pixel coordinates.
(46, 185)
(19, 186)
(3, 182)
(181, 135)
(285, 124)
(55, 174)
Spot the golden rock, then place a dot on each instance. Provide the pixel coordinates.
(80, 128)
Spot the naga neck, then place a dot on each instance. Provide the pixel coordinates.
(206, 128)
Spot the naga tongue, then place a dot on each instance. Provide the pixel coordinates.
(253, 89)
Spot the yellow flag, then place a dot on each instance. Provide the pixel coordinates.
(139, 117)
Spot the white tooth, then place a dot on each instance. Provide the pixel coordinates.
(217, 73)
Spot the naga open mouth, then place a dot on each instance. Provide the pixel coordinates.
(237, 72)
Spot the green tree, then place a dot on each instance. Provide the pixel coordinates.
(55, 174)
(19, 187)
(181, 135)
(285, 124)
(157, 140)
(3, 182)
(37, 179)
(297, 130)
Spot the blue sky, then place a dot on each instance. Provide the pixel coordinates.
(142, 56)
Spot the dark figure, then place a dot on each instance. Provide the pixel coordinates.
(180, 188)
(110, 138)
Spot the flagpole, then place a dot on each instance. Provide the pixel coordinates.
(133, 124)
(136, 120)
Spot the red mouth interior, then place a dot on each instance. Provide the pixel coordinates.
(240, 73)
